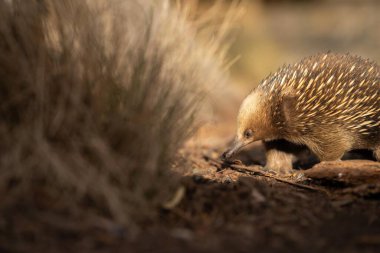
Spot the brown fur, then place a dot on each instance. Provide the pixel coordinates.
(328, 102)
(377, 154)
(281, 155)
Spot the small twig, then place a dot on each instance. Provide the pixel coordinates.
(245, 169)
(251, 170)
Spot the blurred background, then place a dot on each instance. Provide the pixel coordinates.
(266, 34)
(270, 33)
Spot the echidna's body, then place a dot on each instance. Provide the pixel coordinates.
(328, 102)
(325, 98)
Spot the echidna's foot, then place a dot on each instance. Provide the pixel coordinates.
(279, 161)
(280, 169)
(299, 176)
(277, 171)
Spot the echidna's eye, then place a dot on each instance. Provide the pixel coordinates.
(248, 133)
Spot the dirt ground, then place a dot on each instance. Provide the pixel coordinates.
(233, 208)
(230, 208)
(243, 209)
(246, 210)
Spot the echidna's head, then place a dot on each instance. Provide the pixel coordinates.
(253, 122)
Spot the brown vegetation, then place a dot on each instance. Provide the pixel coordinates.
(96, 99)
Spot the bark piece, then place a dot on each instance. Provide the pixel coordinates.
(353, 172)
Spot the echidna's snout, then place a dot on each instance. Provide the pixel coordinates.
(235, 147)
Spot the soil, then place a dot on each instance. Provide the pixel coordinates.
(244, 209)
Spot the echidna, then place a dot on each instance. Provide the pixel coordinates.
(327, 102)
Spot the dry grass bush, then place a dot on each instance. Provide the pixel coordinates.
(96, 99)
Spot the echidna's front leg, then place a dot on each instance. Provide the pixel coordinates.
(376, 153)
(279, 161)
(280, 155)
